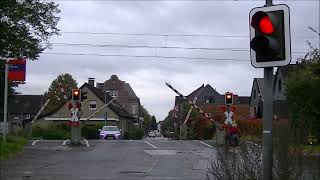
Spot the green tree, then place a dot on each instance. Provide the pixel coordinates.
(146, 119)
(153, 123)
(303, 94)
(25, 29)
(167, 123)
(54, 93)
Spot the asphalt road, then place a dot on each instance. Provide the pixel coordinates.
(148, 159)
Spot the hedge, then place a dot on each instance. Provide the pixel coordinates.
(250, 127)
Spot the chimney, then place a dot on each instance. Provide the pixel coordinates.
(91, 81)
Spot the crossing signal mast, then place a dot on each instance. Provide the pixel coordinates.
(270, 44)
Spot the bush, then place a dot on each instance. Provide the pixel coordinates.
(91, 131)
(51, 132)
(250, 127)
(12, 146)
(135, 133)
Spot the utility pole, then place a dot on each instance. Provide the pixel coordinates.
(5, 102)
(267, 119)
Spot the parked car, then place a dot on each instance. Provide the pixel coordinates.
(151, 134)
(158, 134)
(110, 132)
(168, 134)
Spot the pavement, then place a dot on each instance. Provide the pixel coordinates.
(147, 159)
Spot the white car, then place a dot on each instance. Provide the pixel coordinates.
(151, 134)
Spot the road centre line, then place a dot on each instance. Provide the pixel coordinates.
(151, 144)
(203, 143)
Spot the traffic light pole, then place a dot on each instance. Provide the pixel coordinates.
(5, 102)
(267, 123)
(267, 120)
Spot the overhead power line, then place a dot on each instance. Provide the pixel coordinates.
(145, 46)
(169, 35)
(149, 56)
(161, 47)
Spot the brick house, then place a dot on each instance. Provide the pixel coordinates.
(114, 113)
(124, 93)
(211, 102)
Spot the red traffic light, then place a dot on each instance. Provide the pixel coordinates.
(228, 98)
(265, 25)
(76, 92)
(262, 22)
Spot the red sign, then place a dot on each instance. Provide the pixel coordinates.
(17, 70)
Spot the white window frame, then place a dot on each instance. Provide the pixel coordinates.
(16, 116)
(28, 116)
(114, 93)
(93, 102)
(134, 108)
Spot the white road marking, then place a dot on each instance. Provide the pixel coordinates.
(151, 144)
(87, 142)
(65, 141)
(35, 141)
(203, 143)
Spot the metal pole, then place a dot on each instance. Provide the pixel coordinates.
(267, 120)
(267, 123)
(5, 102)
(268, 2)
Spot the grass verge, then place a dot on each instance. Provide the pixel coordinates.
(12, 146)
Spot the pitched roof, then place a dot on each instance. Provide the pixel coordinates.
(260, 84)
(27, 104)
(195, 92)
(128, 88)
(115, 106)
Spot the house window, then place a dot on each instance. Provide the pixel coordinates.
(208, 114)
(114, 93)
(209, 100)
(92, 105)
(28, 116)
(16, 116)
(254, 94)
(134, 109)
(280, 85)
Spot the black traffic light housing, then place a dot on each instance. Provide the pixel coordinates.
(76, 94)
(84, 95)
(270, 36)
(228, 98)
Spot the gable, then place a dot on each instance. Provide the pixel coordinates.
(63, 113)
(208, 93)
(279, 88)
(255, 91)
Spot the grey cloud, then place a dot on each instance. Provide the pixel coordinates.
(148, 75)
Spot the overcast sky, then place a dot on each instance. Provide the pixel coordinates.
(147, 76)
